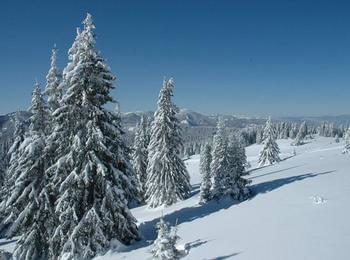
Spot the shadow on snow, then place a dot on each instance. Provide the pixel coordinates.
(275, 184)
(225, 256)
(270, 173)
(189, 214)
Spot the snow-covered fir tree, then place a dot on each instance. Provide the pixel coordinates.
(11, 171)
(347, 141)
(237, 162)
(259, 136)
(140, 153)
(164, 247)
(302, 133)
(205, 162)
(228, 166)
(219, 164)
(303, 130)
(53, 89)
(4, 160)
(167, 178)
(27, 170)
(293, 130)
(270, 152)
(3, 165)
(92, 171)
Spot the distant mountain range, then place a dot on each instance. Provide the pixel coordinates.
(338, 120)
(194, 119)
(188, 118)
(196, 125)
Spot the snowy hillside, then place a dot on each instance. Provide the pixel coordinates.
(300, 211)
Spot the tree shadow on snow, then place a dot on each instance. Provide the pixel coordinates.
(266, 166)
(230, 256)
(275, 184)
(148, 229)
(270, 173)
(189, 214)
(195, 244)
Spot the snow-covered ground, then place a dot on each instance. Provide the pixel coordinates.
(301, 210)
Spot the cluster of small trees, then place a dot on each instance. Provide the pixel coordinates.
(331, 130)
(222, 167)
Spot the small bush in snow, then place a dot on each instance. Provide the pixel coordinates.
(164, 247)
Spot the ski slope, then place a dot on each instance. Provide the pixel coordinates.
(300, 211)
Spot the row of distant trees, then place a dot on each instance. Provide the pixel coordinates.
(195, 142)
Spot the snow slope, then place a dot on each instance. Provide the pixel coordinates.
(300, 211)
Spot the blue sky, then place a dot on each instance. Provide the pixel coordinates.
(237, 57)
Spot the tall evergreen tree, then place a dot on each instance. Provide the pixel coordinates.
(347, 141)
(93, 173)
(302, 133)
(299, 139)
(259, 135)
(270, 152)
(53, 89)
(303, 130)
(205, 161)
(167, 177)
(219, 164)
(140, 153)
(18, 137)
(27, 170)
(228, 166)
(11, 171)
(237, 161)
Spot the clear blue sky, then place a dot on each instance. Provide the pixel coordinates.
(237, 56)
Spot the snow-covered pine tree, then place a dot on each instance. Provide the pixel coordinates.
(303, 130)
(167, 177)
(347, 141)
(59, 141)
(27, 171)
(293, 130)
(53, 89)
(34, 242)
(219, 164)
(302, 133)
(10, 173)
(237, 160)
(140, 154)
(270, 152)
(205, 161)
(164, 246)
(259, 135)
(93, 173)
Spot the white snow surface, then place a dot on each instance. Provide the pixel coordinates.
(301, 210)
